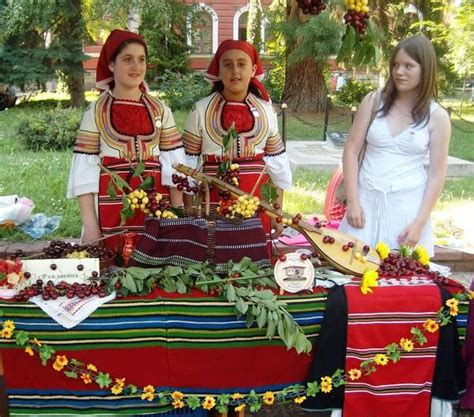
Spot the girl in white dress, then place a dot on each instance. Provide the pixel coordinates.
(391, 198)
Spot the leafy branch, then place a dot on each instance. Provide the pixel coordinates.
(118, 184)
(240, 283)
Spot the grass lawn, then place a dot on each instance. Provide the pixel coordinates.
(42, 176)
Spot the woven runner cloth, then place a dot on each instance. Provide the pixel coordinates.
(195, 240)
(376, 320)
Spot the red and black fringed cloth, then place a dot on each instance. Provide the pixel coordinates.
(374, 321)
(194, 240)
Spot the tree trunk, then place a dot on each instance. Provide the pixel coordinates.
(72, 31)
(305, 90)
(134, 19)
(75, 85)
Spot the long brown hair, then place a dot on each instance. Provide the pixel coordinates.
(420, 49)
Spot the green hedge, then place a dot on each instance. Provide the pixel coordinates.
(50, 130)
(181, 91)
(352, 93)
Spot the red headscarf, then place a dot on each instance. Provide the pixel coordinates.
(212, 73)
(104, 77)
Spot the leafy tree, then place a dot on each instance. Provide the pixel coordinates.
(401, 19)
(462, 43)
(310, 40)
(24, 60)
(309, 43)
(162, 23)
(26, 23)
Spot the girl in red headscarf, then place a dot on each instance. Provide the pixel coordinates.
(125, 125)
(239, 99)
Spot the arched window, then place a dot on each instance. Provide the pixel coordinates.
(242, 33)
(240, 25)
(202, 27)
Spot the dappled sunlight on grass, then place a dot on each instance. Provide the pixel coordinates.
(304, 201)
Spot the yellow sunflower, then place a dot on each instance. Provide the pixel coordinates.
(91, 367)
(177, 404)
(382, 249)
(86, 378)
(380, 359)
(177, 395)
(326, 384)
(369, 279)
(421, 255)
(7, 333)
(8, 324)
(431, 326)
(148, 393)
(60, 362)
(406, 344)
(209, 402)
(355, 374)
(269, 398)
(118, 389)
(452, 302)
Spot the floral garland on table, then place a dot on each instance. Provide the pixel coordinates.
(89, 373)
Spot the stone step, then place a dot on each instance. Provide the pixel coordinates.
(326, 156)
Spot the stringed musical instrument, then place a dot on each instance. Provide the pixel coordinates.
(344, 252)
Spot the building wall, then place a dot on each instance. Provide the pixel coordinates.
(226, 12)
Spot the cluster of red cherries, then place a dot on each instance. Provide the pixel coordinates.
(52, 291)
(59, 249)
(182, 184)
(313, 7)
(395, 265)
(358, 19)
(230, 175)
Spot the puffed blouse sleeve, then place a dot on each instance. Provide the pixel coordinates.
(192, 139)
(171, 147)
(276, 158)
(85, 172)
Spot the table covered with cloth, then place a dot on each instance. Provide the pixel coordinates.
(190, 343)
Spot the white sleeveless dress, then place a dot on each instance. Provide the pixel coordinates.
(392, 181)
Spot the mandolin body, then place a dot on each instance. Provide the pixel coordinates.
(345, 261)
